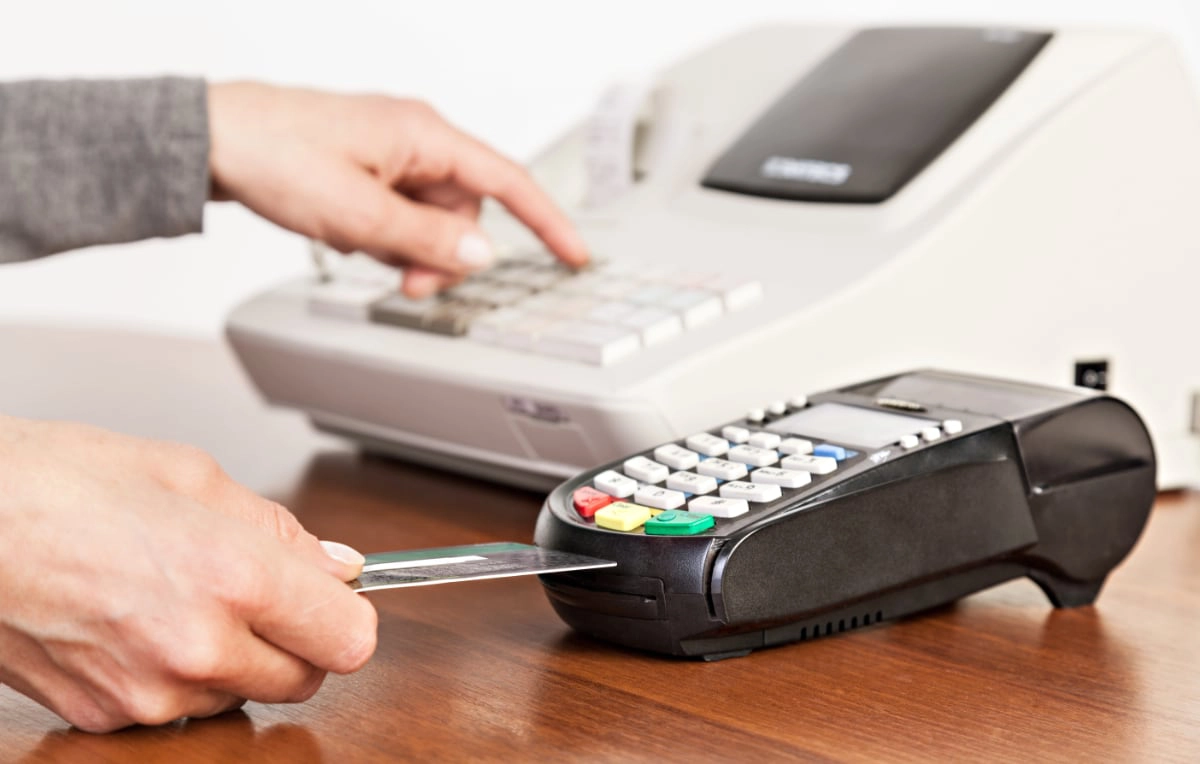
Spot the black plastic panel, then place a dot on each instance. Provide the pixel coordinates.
(874, 113)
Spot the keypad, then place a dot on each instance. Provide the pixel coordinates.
(719, 507)
(722, 469)
(532, 303)
(615, 484)
(681, 490)
(623, 516)
(588, 501)
(690, 487)
(676, 456)
(674, 523)
(659, 498)
(754, 492)
(818, 465)
(753, 455)
(691, 482)
(646, 470)
(837, 453)
(782, 478)
(707, 444)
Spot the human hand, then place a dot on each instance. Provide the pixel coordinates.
(139, 584)
(386, 176)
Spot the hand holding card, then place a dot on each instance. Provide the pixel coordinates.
(140, 584)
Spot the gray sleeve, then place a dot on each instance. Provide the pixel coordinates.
(99, 161)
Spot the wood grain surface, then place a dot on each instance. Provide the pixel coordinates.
(485, 671)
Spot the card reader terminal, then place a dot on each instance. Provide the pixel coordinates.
(826, 513)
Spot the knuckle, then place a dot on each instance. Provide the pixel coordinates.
(282, 523)
(194, 656)
(151, 706)
(89, 717)
(416, 109)
(191, 469)
(364, 224)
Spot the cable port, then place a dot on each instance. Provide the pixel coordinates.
(1093, 374)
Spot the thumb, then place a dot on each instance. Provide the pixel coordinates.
(333, 557)
(337, 559)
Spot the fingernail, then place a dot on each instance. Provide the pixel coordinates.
(343, 553)
(474, 251)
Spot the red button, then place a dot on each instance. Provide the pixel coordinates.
(589, 500)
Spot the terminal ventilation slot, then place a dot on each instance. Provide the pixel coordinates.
(830, 628)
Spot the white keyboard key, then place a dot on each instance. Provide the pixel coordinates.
(781, 478)
(582, 283)
(613, 287)
(691, 279)
(676, 457)
(523, 333)
(690, 482)
(952, 426)
(756, 415)
(764, 440)
(348, 298)
(735, 433)
(611, 312)
(653, 324)
(615, 484)
(718, 507)
(819, 465)
(502, 294)
(930, 433)
(651, 294)
(739, 294)
(909, 441)
(471, 290)
(752, 455)
(645, 470)
(707, 444)
(795, 446)
(798, 401)
(756, 492)
(721, 469)
(531, 275)
(697, 307)
(553, 304)
(659, 498)
(777, 408)
(600, 344)
(489, 327)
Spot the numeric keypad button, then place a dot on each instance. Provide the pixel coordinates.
(756, 492)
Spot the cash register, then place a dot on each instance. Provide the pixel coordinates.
(786, 209)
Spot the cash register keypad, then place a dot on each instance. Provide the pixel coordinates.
(534, 304)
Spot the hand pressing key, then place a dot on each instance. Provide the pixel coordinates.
(383, 175)
(139, 584)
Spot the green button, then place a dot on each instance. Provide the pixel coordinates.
(678, 523)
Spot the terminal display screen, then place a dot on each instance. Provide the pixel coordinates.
(842, 424)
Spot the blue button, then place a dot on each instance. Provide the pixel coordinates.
(828, 449)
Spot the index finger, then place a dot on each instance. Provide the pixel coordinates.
(480, 169)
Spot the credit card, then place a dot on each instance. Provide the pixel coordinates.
(425, 567)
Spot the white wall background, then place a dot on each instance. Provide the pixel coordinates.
(514, 73)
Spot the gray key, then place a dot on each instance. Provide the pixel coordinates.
(454, 317)
(398, 310)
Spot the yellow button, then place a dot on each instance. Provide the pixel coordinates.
(623, 516)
